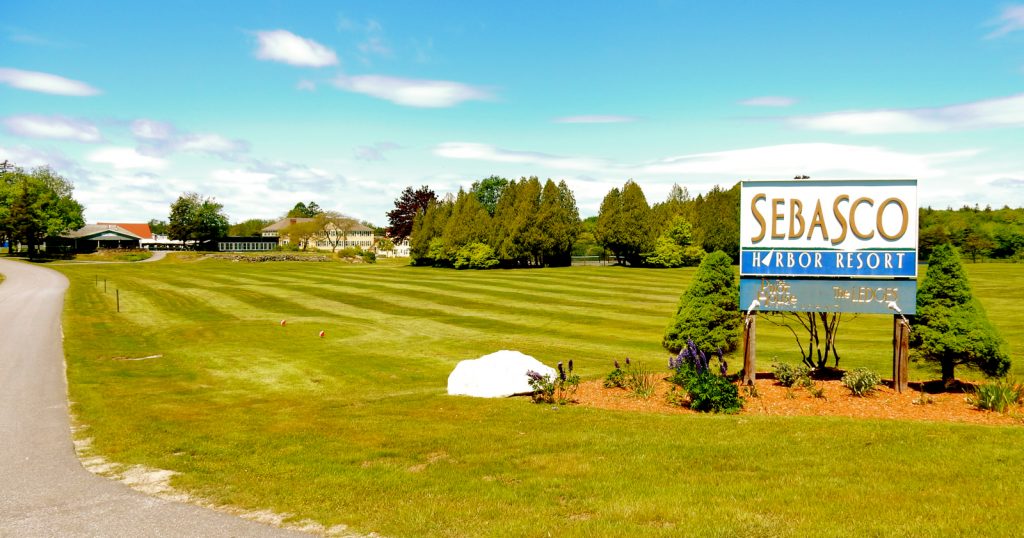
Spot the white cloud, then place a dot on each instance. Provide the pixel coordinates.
(814, 159)
(989, 113)
(779, 161)
(375, 152)
(596, 118)
(284, 46)
(57, 127)
(306, 85)
(152, 129)
(412, 92)
(123, 158)
(158, 138)
(210, 143)
(1008, 182)
(485, 152)
(28, 157)
(1010, 20)
(240, 177)
(770, 101)
(45, 83)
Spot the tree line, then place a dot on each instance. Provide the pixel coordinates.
(497, 223)
(977, 233)
(674, 233)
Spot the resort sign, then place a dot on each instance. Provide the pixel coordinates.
(829, 246)
(850, 228)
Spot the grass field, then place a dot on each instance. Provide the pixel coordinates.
(356, 428)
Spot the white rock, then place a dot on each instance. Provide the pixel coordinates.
(502, 373)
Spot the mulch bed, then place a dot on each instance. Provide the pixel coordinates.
(776, 400)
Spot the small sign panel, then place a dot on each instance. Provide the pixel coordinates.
(863, 296)
(825, 229)
(863, 263)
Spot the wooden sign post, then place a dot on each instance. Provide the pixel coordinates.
(900, 353)
(749, 349)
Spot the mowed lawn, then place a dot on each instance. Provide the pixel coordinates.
(356, 429)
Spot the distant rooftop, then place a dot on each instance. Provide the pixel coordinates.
(140, 229)
(288, 221)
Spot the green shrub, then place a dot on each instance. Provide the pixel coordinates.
(666, 254)
(708, 312)
(788, 375)
(951, 327)
(713, 393)
(475, 256)
(997, 396)
(368, 256)
(616, 379)
(348, 252)
(861, 381)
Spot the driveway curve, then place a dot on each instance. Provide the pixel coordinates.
(44, 490)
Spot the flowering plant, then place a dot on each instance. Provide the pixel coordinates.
(707, 390)
(554, 390)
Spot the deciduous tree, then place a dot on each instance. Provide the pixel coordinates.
(35, 205)
(333, 227)
(488, 191)
(195, 218)
(407, 206)
(246, 228)
(302, 210)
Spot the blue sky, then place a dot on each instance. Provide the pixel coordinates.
(264, 104)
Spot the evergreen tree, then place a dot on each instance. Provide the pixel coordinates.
(950, 327)
(609, 222)
(716, 221)
(636, 234)
(708, 311)
(428, 227)
(523, 232)
(549, 222)
(567, 227)
(663, 213)
(469, 223)
(505, 246)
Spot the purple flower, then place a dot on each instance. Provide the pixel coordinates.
(725, 368)
(627, 361)
(570, 366)
(617, 365)
(561, 371)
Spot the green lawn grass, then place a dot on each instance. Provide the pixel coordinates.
(115, 255)
(356, 428)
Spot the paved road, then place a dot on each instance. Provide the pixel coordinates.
(44, 490)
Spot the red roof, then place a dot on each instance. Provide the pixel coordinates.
(139, 229)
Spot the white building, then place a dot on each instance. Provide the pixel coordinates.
(330, 238)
